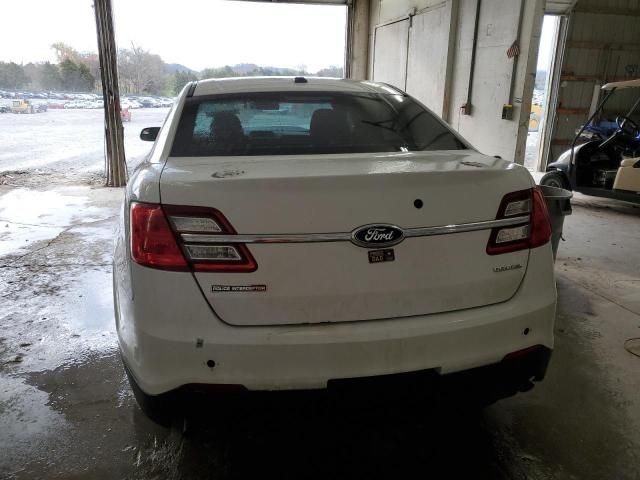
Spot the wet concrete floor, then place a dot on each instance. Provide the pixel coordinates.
(66, 411)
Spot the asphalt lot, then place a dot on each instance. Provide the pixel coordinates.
(66, 411)
(68, 143)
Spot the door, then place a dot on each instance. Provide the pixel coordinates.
(427, 57)
(390, 53)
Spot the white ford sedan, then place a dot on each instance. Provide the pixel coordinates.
(287, 233)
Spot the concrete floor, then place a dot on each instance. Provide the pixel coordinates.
(66, 410)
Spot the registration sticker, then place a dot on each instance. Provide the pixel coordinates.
(238, 288)
(377, 256)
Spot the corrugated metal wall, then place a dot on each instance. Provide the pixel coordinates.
(602, 45)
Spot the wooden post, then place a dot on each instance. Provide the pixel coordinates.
(115, 162)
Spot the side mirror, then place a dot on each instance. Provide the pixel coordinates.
(149, 134)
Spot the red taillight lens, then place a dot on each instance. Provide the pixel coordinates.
(540, 224)
(153, 244)
(529, 234)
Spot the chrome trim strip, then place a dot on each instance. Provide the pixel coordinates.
(346, 237)
(285, 238)
(465, 227)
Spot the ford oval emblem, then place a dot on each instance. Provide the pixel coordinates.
(377, 235)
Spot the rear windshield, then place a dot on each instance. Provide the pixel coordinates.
(307, 123)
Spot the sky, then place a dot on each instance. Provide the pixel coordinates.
(195, 33)
(546, 42)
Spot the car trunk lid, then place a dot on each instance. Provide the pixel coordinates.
(321, 274)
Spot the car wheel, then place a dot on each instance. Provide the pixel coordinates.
(157, 407)
(555, 179)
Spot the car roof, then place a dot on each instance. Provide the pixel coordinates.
(289, 84)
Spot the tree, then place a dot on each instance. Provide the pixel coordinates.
(181, 78)
(222, 72)
(12, 75)
(86, 81)
(88, 60)
(75, 77)
(49, 77)
(141, 71)
(332, 71)
(69, 73)
(65, 52)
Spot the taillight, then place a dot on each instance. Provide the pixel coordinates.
(540, 223)
(533, 232)
(153, 244)
(204, 255)
(157, 242)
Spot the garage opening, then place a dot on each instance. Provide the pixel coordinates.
(541, 97)
(51, 72)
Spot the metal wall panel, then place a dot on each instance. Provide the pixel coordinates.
(427, 61)
(390, 53)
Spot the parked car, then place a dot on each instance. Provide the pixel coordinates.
(5, 109)
(130, 102)
(165, 102)
(607, 164)
(306, 233)
(147, 102)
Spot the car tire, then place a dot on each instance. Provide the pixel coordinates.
(555, 179)
(158, 408)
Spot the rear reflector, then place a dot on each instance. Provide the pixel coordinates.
(153, 244)
(534, 232)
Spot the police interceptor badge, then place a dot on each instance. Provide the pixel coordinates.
(238, 288)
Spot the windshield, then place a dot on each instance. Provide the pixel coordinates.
(289, 123)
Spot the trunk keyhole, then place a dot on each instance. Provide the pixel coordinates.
(417, 203)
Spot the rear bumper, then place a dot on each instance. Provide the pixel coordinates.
(480, 385)
(168, 335)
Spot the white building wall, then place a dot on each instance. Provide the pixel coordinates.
(434, 39)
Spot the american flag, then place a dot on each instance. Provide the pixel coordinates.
(514, 50)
